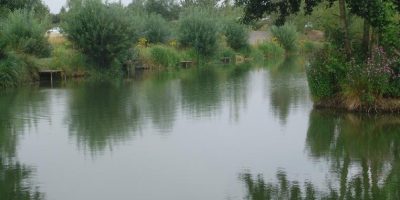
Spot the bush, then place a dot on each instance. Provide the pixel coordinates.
(286, 36)
(199, 31)
(164, 56)
(101, 31)
(156, 29)
(370, 81)
(236, 35)
(271, 49)
(23, 33)
(324, 73)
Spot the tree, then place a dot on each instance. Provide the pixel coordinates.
(200, 3)
(199, 31)
(101, 31)
(166, 8)
(155, 29)
(236, 35)
(36, 6)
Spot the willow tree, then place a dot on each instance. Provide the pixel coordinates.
(101, 31)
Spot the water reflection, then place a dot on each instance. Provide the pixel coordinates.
(258, 189)
(362, 152)
(288, 86)
(16, 178)
(102, 115)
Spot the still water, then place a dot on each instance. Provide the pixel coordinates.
(215, 133)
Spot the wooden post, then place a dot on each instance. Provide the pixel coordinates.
(51, 79)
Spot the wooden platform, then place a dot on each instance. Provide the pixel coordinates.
(186, 63)
(52, 73)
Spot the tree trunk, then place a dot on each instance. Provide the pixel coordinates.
(366, 44)
(345, 27)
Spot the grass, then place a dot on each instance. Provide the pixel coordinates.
(271, 49)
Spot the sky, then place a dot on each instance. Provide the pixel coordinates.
(55, 5)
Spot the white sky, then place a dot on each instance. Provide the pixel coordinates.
(55, 5)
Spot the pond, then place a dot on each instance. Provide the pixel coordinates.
(211, 133)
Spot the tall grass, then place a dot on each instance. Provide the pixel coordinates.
(271, 50)
(69, 60)
(164, 56)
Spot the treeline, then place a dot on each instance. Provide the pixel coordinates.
(153, 32)
(104, 38)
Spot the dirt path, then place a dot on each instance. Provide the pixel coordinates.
(256, 37)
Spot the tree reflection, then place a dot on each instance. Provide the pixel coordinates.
(287, 86)
(258, 189)
(200, 91)
(15, 178)
(369, 145)
(236, 93)
(363, 153)
(102, 114)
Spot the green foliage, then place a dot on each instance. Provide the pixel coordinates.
(35, 6)
(10, 69)
(236, 35)
(286, 35)
(101, 31)
(324, 72)
(390, 35)
(155, 29)
(23, 33)
(164, 56)
(358, 84)
(227, 52)
(168, 9)
(68, 59)
(271, 49)
(199, 31)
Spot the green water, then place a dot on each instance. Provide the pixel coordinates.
(213, 133)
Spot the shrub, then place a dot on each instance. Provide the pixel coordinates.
(156, 29)
(368, 82)
(101, 31)
(236, 35)
(23, 33)
(199, 31)
(271, 49)
(286, 35)
(164, 56)
(324, 73)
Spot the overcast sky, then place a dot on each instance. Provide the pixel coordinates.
(55, 5)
